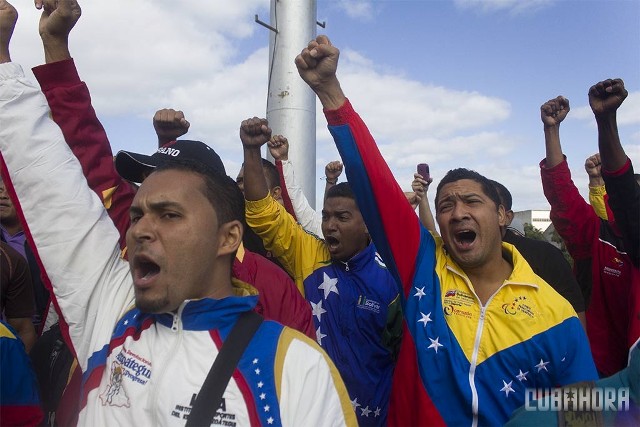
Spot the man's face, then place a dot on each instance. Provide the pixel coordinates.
(240, 179)
(172, 241)
(8, 212)
(469, 223)
(343, 228)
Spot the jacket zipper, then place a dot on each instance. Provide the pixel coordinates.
(176, 326)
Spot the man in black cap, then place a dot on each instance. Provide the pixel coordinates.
(146, 332)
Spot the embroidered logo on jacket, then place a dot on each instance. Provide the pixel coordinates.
(368, 304)
(519, 304)
(115, 395)
(611, 271)
(455, 301)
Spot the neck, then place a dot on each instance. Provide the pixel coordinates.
(222, 284)
(488, 278)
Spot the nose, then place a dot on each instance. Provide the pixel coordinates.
(459, 211)
(332, 223)
(143, 229)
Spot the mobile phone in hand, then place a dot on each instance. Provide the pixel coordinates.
(423, 169)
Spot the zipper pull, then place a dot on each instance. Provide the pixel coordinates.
(176, 318)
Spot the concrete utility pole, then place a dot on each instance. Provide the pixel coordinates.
(291, 105)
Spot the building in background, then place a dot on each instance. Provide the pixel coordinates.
(537, 218)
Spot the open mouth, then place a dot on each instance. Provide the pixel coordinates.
(332, 242)
(465, 238)
(145, 270)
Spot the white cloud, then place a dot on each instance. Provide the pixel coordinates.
(399, 108)
(633, 152)
(629, 112)
(513, 6)
(358, 9)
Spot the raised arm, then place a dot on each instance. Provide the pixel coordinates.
(254, 133)
(553, 112)
(572, 217)
(71, 109)
(8, 18)
(605, 98)
(391, 222)
(56, 22)
(332, 172)
(302, 210)
(597, 190)
(420, 186)
(65, 222)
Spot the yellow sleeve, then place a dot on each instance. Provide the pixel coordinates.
(596, 199)
(299, 252)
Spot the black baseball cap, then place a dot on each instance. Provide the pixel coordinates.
(135, 167)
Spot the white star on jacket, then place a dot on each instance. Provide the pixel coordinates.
(507, 388)
(355, 404)
(522, 376)
(328, 285)
(426, 318)
(542, 365)
(317, 310)
(419, 292)
(319, 336)
(435, 344)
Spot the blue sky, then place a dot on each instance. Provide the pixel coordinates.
(453, 83)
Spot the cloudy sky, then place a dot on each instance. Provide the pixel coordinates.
(455, 83)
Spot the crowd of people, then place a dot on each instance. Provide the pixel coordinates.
(154, 289)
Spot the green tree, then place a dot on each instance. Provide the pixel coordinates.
(533, 233)
(555, 237)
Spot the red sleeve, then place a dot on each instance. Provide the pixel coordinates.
(71, 109)
(392, 223)
(573, 218)
(279, 298)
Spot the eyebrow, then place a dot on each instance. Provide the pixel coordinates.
(325, 212)
(156, 206)
(460, 196)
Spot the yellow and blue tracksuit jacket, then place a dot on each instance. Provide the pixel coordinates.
(461, 362)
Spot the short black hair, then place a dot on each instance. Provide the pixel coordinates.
(221, 190)
(271, 173)
(461, 173)
(505, 196)
(341, 190)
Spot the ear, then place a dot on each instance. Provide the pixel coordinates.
(229, 237)
(502, 216)
(276, 192)
(509, 217)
